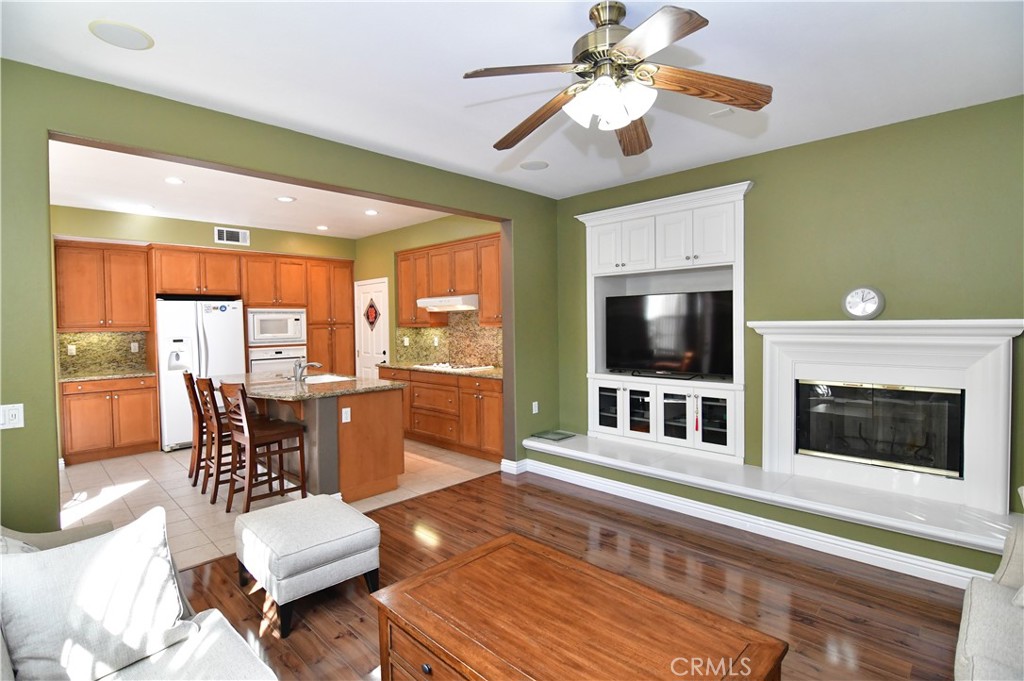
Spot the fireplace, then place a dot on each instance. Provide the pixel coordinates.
(908, 428)
(948, 441)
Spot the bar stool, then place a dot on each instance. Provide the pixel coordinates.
(217, 458)
(257, 446)
(198, 430)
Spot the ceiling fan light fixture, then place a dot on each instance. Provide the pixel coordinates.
(637, 97)
(579, 109)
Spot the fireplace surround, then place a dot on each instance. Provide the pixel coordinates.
(971, 358)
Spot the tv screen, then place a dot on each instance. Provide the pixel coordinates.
(688, 334)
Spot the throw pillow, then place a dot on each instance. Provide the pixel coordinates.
(1018, 598)
(87, 609)
(12, 545)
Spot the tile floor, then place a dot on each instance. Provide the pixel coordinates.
(124, 488)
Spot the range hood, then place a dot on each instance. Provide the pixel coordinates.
(450, 303)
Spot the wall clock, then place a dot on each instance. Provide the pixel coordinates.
(863, 302)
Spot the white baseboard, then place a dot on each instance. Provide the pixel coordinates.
(917, 566)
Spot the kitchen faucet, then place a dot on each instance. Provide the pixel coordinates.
(300, 368)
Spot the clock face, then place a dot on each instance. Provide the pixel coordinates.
(863, 303)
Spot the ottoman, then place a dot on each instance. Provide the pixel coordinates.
(300, 547)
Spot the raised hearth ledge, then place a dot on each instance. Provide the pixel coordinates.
(936, 520)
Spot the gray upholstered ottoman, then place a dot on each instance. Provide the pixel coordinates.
(303, 546)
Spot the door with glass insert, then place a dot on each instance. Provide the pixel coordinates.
(606, 407)
(640, 409)
(676, 410)
(713, 417)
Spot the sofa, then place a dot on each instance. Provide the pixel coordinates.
(990, 645)
(98, 603)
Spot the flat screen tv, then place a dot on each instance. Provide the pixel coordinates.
(678, 334)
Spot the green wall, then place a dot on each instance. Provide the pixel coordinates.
(85, 223)
(35, 101)
(931, 211)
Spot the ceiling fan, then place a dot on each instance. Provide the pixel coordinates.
(619, 85)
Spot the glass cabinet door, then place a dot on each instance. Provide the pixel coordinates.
(639, 403)
(608, 407)
(675, 416)
(714, 414)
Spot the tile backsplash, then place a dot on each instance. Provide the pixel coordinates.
(463, 341)
(98, 354)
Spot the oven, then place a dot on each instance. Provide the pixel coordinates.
(281, 361)
(276, 326)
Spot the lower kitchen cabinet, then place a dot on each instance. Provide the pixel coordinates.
(481, 418)
(109, 418)
(389, 374)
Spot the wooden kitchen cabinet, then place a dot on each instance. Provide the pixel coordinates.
(481, 418)
(108, 418)
(332, 346)
(330, 315)
(489, 256)
(453, 270)
(269, 281)
(412, 274)
(192, 271)
(389, 374)
(462, 413)
(101, 288)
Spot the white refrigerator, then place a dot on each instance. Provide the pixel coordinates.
(203, 337)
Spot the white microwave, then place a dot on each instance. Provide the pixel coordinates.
(276, 326)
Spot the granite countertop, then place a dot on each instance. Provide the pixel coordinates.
(496, 372)
(104, 377)
(271, 386)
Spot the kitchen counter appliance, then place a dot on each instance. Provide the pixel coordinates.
(263, 360)
(203, 337)
(277, 326)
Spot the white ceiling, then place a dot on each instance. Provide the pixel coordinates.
(387, 76)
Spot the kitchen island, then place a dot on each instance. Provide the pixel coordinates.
(353, 440)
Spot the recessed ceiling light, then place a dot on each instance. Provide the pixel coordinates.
(174, 180)
(286, 199)
(322, 228)
(121, 35)
(371, 212)
(534, 165)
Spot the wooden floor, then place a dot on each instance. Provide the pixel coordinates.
(842, 619)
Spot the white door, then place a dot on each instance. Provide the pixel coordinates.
(373, 326)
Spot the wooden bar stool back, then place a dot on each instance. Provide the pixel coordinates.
(217, 458)
(195, 464)
(263, 444)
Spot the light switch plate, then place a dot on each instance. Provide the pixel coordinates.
(135, 347)
(12, 416)
(346, 414)
(72, 350)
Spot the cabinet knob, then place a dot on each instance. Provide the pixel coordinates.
(616, 264)
(449, 401)
(115, 397)
(623, 264)
(197, 288)
(101, 321)
(79, 387)
(426, 669)
(695, 257)
(204, 288)
(108, 397)
(687, 257)
(109, 322)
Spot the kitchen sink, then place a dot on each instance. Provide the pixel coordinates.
(327, 378)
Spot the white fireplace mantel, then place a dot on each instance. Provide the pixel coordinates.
(973, 355)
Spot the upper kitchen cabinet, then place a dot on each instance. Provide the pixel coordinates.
(268, 281)
(453, 270)
(489, 255)
(330, 292)
(189, 271)
(412, 272)
(101, 287)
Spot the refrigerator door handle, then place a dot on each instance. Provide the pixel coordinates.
(200, 340)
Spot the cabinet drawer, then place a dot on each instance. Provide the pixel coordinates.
(419, 662)
(433, 377)
(491, 385)
(435, 397)
(393, 374)
(111, 384)
(437, 425)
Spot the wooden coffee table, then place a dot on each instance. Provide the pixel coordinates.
(516, 609)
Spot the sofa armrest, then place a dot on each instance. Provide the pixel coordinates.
(50, 540)
(1011, 568)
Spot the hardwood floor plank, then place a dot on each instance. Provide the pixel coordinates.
(843, 620)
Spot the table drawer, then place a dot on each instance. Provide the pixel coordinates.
(491, 385)
(390, 374)
(438, 425)
(433, 377)
(419, 662)
(108, 385)
(436, 398)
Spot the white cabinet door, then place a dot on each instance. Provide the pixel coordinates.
(674, 239)
(675, 415)
(713, 411)
(606, 407)
(637, 245)
(640, 411)
(714, 235)
(605, 249)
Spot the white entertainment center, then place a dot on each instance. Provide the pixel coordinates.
(681, 244)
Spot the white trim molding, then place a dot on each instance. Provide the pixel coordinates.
(969, 355)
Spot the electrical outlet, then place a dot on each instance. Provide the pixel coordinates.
(12, 416)
(135, 347)
(405, 341)
(536, 407)
(346, 414)
(437, 341)
(72, 350)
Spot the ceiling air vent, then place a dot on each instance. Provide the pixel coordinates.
(236, 237)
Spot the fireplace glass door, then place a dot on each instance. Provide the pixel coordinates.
(905, 427)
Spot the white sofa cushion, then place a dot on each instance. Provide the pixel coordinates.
(10, 545)
(86, 609)
(991, 631)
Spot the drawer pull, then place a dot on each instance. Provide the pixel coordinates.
(426, 668)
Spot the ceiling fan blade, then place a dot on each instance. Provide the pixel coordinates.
(732, 91)
(661, 29)
(535, 120)
(532, 68)
(634, 138)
